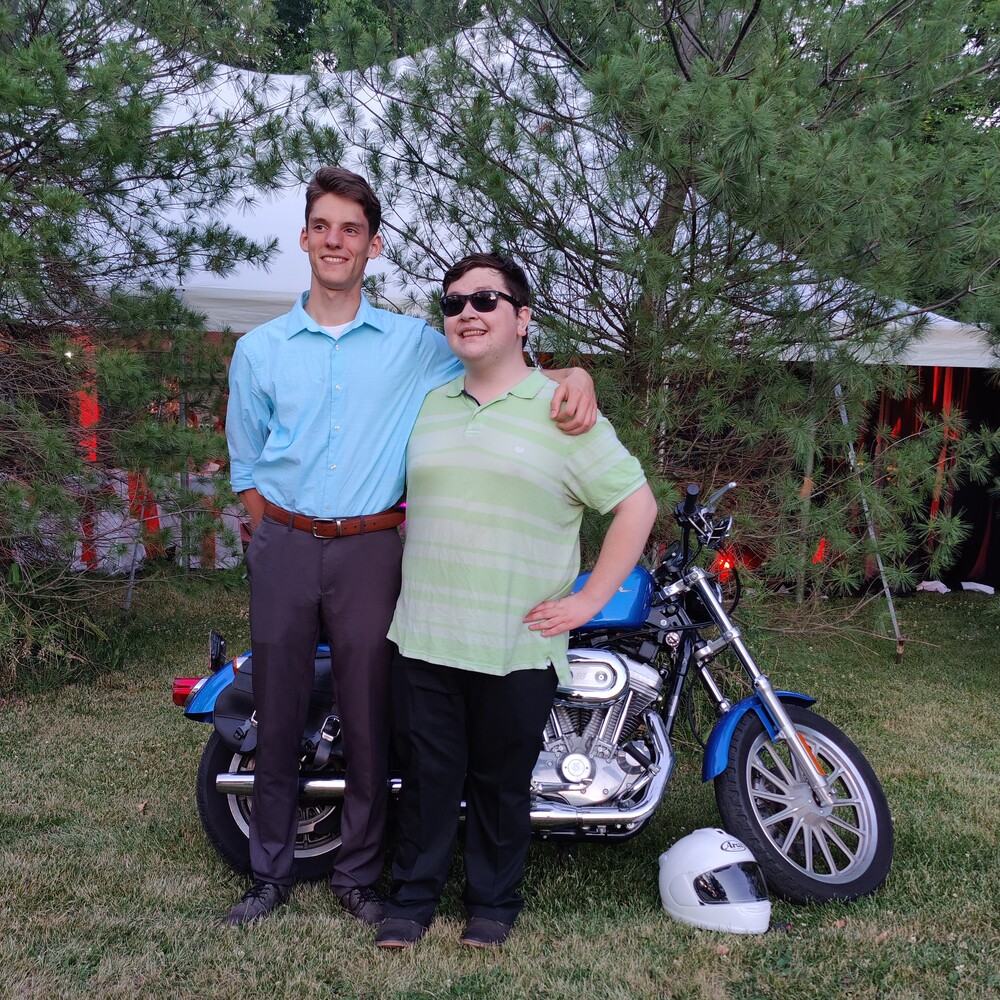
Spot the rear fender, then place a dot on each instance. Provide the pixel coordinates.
(717, 748)
(201, 708)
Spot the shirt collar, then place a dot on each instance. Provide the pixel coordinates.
(299, 320)
(529, 387)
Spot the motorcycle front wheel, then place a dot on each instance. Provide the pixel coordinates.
(808, 853)
(226, 818)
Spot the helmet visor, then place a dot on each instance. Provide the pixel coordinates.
(742, 882)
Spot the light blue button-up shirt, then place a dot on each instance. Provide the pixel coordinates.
(319, 425)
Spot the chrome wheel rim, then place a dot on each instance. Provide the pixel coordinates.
(832, 844)
(313, 836)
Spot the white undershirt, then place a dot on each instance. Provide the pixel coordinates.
(336, 331)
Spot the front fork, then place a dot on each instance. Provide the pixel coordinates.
(700, 581)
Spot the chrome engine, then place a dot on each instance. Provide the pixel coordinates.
(589, 757)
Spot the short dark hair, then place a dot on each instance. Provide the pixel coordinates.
(513, 274)
(347, 184)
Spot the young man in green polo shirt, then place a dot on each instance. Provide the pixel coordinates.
(495, 497)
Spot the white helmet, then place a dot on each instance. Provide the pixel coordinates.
(710, 879)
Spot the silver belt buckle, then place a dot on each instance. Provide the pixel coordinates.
(338, 521)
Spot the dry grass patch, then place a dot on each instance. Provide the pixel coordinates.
(110, 889)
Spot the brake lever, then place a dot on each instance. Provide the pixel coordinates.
(710, 504)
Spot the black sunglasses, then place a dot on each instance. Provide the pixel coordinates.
(484, 301)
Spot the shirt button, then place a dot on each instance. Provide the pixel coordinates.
(336, 347)
(336, 427)
(337, 387)
(332, 467)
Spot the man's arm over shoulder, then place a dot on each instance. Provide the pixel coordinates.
(574, 403)
(438, 364)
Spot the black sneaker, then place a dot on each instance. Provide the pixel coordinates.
(481, 932)
(398, 932)
(258, 901)
(363, 904)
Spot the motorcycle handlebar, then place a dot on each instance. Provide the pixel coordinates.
(692, 516)
(690, 503)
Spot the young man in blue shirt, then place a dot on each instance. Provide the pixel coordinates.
(322, 401)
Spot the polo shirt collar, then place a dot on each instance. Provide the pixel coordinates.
(299, 320)
(529, 387)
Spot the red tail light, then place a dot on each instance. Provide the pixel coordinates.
(183, 689)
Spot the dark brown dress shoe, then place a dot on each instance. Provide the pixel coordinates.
(364, 905)
(481, 932)
(398, 932)
(258, 901)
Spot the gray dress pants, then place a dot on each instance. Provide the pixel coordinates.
(350, 585)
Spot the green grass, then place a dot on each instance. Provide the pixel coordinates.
(108, 887)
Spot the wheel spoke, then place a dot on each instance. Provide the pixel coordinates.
(823, 836)
(787, 776)
(794, 832)
(782, 780)
(829, 833)
(767, 796)
(834, 773)
(852, 803)
(848, 817)
(768, 787)
(779, 817)
(308, 821)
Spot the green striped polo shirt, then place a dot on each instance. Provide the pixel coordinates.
(495, 495)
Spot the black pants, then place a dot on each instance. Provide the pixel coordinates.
(351, 584)
(454, 729)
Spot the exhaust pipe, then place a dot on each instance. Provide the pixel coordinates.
(241, 783)
(543, 814)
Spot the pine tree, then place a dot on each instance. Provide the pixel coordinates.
(727, 207)
(118, 172)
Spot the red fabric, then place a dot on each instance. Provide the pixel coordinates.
(88, 414)
(142, 507)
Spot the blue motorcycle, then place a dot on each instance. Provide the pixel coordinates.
(787, 782)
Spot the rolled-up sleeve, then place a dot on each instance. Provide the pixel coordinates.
(247, 417)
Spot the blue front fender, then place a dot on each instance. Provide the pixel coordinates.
(717, 748)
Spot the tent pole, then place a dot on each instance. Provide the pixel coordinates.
(871, 527)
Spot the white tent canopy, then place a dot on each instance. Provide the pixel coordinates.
(949, 344)
(228, 307)
(251, 297)
(240, 308)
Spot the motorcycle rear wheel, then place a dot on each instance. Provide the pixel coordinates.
(226, 818)
(807, 854)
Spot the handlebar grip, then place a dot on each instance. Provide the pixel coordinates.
(690, 498)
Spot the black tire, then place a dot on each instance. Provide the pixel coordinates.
(226, 818)
(807, 854)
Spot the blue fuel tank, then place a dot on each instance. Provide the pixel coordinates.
(629, 608)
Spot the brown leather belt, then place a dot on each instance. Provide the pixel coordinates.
(337, 527)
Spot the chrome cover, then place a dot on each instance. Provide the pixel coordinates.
(645, 680)
(599, 678)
